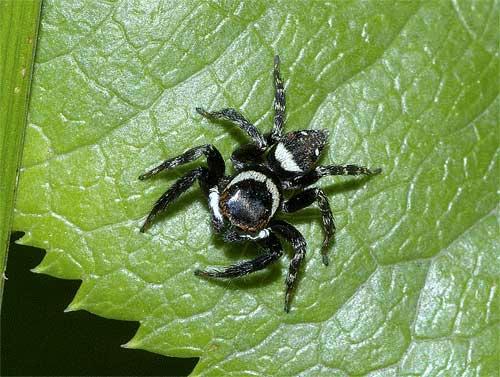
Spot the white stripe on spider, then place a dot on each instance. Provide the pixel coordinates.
(285, 158)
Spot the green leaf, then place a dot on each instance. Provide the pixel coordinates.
(411, 87)
(18, 32)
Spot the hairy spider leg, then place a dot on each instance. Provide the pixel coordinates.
(181, 185)
(296, 239)
(215, 162)
(247, 155)
(290, 234)
(207, 177)
(279, 103)
(323, 171)
(273, 249)
(346, 170)
(233, 116)
(305, 199)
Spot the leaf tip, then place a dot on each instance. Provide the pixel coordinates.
(71, 308)
(131, 344)
(38, 269)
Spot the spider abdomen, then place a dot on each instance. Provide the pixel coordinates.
(250, 200)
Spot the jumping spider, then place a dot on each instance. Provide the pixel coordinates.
(244, 205)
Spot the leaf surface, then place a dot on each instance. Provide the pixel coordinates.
(411, 87)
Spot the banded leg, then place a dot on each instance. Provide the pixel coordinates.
(215, 163)
(305, 199)
(181, 185)
(273, 252)
(323, 171)
(279, 102)
(231, 115)
(296, 239)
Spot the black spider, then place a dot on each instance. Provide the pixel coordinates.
(244, 205)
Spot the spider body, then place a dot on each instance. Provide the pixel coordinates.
(273, 174)
(251, 199)
(297, 152)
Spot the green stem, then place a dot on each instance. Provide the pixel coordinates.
(18, 34)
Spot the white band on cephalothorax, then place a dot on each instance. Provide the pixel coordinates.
(213, 202)
(260, 177)
(285, 158)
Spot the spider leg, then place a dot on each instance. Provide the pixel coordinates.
(305, 199)
(215, 163)
(181, 185)
(248, 154)
(232, 235)
(273, 252)
(213, 204)
(323, 171)
(279, 103)
(292, 235)
(209, 179)
(233, 116)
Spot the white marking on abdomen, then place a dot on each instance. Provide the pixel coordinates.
(285, 158)
(275, 194)
(250, 174)
(260, 177)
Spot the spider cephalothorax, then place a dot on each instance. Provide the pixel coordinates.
(273, 174)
